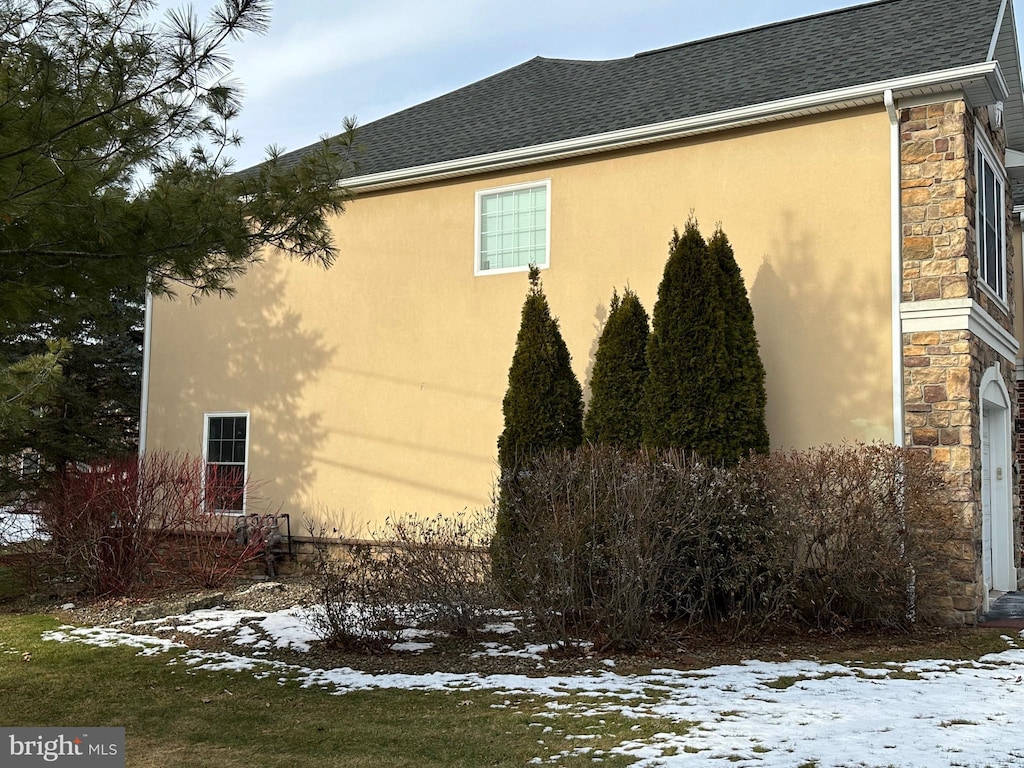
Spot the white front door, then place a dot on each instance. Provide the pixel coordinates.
(996, 506)
(986, 504)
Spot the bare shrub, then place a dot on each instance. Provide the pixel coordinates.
(133, 524)
(861, 534)
(24, 550)
(96, 518)
(612, 542)
(352, 607)
(441, 566)
(192, 543)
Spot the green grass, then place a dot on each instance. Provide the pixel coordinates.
(11, 584)
(175, 717)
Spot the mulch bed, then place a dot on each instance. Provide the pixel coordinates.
(678, 649)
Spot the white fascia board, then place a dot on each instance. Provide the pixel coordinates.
(1014, 164)
(958, 315)
(986, 73)
(1014, 159)
(995, 33)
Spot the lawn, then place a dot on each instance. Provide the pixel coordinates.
(194, 691)
(177, 716)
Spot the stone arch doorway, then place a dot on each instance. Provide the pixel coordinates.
(998, 570)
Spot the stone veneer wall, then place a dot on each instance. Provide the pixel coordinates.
(1019, 454)
(942, 370)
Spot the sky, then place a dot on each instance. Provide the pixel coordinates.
(323, 60)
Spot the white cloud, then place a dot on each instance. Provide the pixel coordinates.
(306, 45)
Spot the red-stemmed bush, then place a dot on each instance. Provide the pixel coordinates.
(134, 524)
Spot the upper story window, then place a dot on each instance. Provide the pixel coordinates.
(227, 438)
(513, 228)
(991, 219)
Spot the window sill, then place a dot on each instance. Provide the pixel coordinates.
(505, 270)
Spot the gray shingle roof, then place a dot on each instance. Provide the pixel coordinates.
(546, 100)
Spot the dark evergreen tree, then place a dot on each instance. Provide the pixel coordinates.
(686, 353)
(543, 406)
(743, 391)
(620, 369)
(543, 410)
(92, 409)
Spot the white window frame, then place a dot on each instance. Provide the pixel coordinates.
(984, 154)
(206, 459)
(477, 271)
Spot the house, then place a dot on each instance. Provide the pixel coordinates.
(867, 165)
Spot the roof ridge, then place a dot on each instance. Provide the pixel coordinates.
(561, 60)
(770, 25)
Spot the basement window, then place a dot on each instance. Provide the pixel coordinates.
(227, 444)
(513, 226)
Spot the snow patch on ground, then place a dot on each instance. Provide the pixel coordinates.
(16, 528)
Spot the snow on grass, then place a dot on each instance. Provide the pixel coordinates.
(927, 714)
(16, 528)
(105, 637)
(412, 646)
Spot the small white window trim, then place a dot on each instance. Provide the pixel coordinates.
(205, 454)
(984, 148)
(480, 194)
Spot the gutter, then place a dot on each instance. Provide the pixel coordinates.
(147, 344)
(985, 77)
(896, 250)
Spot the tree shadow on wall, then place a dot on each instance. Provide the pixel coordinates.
(600, 318)
(825, 341)
(260, 358)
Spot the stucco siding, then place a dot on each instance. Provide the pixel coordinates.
(376, 387)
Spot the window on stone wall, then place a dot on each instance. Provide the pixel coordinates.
(991, 221)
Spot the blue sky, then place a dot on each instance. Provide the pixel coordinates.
(325, 59)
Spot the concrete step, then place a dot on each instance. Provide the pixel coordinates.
(1007, 611)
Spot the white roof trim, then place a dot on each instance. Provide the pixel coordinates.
(1014, 158)
(997, 31)
(868, 93)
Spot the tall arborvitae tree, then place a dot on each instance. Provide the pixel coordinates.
(620, 369)
(686, 353)
(543, 410)
(743, 393)
(543, 406)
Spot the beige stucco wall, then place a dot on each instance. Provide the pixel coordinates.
(376, 387)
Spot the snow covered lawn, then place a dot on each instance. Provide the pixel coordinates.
(925, 714)
(16, 528)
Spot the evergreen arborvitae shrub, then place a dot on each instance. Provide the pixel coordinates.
(686, 353)
(743, 392)
(543, 405)
(620, 369)
(543, 410)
